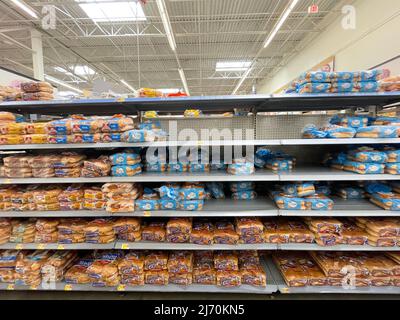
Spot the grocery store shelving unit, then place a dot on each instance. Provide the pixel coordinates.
(285, 132)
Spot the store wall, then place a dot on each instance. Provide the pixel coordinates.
(373, 42)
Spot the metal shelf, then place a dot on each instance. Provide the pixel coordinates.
(310, 142)
(200, 143)
(57, 246)
(285, 289)
(261, 207)
(299, 174)
(316, 247)
(271, 287)
(328, 174)
(262, 103)
(344, 208)
(142, 245)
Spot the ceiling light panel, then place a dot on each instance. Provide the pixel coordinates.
(227, 66)
(107, 11)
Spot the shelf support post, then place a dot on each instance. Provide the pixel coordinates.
(37, 54)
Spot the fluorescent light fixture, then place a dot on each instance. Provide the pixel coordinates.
(170, 90)
(62, 83)
(126, 84)
(245, 75)
(280, 22)
(83, 70)
(167, 24)
(26, 8)
(106, 11)
(183, 78)
(227, 66)
(62, 70)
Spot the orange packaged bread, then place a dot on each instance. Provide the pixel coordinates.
(156, 277)
(180, 262)
(126, 224)
(40, 86)
(94, 193)
(225, 233)
(226, 260)
(7, 117)
(18, 161)
(120, 206)
(155, 261)
(154, 231)
(202, 232)
(47, 194)
(11, 139)
(254, 276)
(132, 263)
(73, 193)
(228, 278)
(116, 188)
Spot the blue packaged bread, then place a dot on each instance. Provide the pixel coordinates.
(315, 88)
(279, 164)
(177, 167)
(191, 205)
(312, 132)
(350, 193)
(216, 189)
(241, 168)
(133, 136)
(244, 195)
(318, 202)
(367, 86)
(148, 201)
(155, 167)
(198, 167)
(241, 185)
(169, 191)
(315, 77)
(393, 155)
(364, 167)
(366, 154)
(125, 170)
(110, 137)
(192, 192)
(300, 189)
(344, 87)
(286, 202)
(339, 132)
(125, 158)
(169, 204)
(350, 121)
(377, 132)
(345, 76)
(392, 168)
(389, 201)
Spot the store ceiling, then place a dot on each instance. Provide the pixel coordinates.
(205, 31)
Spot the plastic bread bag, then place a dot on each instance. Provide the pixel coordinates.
(289, 202)
(156, 260)
(216, 189)
(6, 206)
(169, 204)
(169, 191)
(377, 132)
(350, 193)
(34, 138)
(324, 225)
(225, 236)
(126, 170)
(59, 127)
(241, 186)
(94, 204)
(11, 139)
(120, 206)
(392, 168)
(183, 279)
(392, 203)
(118, 123)
(94, 193)
(374, 75)
(191, 192)
(310, 131)
(155, 167)
(217, 165)
(131, 263)
(246, 226)
(315, 77)
(226, 261)
(86, 126)
(318, 202)
(33, 128)
(159, 277)
(345, 87)
(40, 86)
(241, 168)
(73, 193)
(18, 161)
(244, 195)
(117, 187)
(364, 168)
(47, 194)
(377, 187)
(148, 201)
(386, 121)
(350, 121)
(11, 128)
(338, 132)
(324, 189)
(314, 88)
(7, 117)
(367, 86)
(179, 225)
(150, 124)
(180, 262)
(198, 167)
(154, 231)
(366, 154)
(125, 158)
(18, 172)
(86, 138)
(255, 276)
(191, 205)
(67, 172)
(110, 137)
(60, 139)
(133, 136)
(69, 160)
(279, 164)
(202, 233)
(393, 155)
(43, 172)
(299, 189)
(177, 167)
(204, 276)
(345, 76)
(99, 167)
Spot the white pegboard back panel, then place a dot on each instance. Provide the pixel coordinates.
(241, 127)
(286, 126)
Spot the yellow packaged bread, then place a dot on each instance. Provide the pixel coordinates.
(11, 128)
(11, 139)
(34, 138)
(7, 116)
(34, 128)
